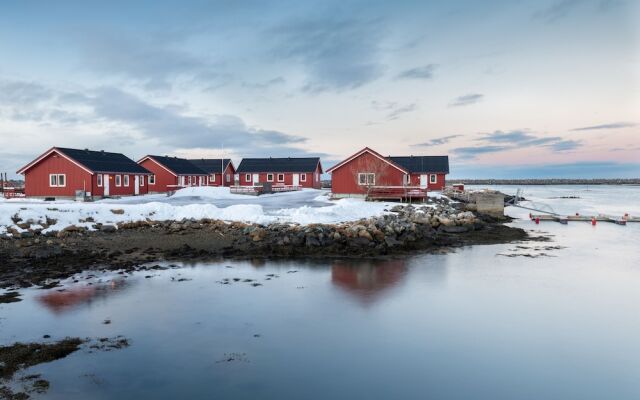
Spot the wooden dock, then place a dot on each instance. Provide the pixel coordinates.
(593, 219)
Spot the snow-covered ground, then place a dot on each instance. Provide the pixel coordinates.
(303, 207)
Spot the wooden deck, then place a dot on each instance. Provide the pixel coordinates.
(398, 193)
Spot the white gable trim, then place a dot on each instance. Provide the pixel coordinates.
(361, 152)
(48, 153)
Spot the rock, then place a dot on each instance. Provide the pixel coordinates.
(336, 236)
(365, 234)
(258, 234)
(107, 228)
(312, 242)
(453, 229)
(391, 241)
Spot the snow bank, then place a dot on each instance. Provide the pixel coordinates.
(58, 215)
(214, 193)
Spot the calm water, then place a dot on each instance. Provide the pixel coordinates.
(474, 324)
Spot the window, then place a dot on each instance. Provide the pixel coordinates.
(189, 180)
(182, 180)
(228, 177)
(433, 178)
(269, 177)
(118, 180)
(247, 177)
(99, 177)
(141, 180)
(407, 179)
(57, 180)
(152, 180)
(303, 177)
(366, 178)
(212, 178)
(280, 177)
(202, 181)
(126, 180)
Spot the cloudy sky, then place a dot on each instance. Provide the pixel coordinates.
(505, 88)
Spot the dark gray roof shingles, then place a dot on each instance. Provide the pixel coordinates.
(180, 166)
(210, 165)
(103, 161)
(290, 164)
(423, 164)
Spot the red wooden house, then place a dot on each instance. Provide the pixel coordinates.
(221, 171)
(290, 171)
(365, 170)
(61, 173)
(172, 173)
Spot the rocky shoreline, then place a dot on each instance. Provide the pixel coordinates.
(43, 259)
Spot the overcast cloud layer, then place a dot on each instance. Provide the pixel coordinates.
(497, 85)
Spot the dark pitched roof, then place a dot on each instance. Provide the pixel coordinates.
(211, 165)
(180, 166)
(103, 161)
(423, 164)
(289, 164)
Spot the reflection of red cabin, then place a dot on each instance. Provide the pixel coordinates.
(367, 280)
(221, 171)
(61, 172)
(366, 169)
(290, 171)
(172, 173)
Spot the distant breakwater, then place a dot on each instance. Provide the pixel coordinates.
(555, 181)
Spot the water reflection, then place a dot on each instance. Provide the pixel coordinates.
(67, 299)
(369, 280)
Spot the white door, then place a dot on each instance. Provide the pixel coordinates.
(136, 185)
(423, 180)
(296, 179)
(105, 179)
(256, 179)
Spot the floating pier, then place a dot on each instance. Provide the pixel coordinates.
(583, 218)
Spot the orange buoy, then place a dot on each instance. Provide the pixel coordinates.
(593, 221)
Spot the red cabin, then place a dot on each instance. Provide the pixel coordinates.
(367, 171)
(221, 171)
(172, 173)
(70, 173)
(294, 172)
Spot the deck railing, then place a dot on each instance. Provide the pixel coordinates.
(401, 193)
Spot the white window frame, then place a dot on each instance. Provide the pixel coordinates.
(152, 179)
(118, 180)
(270, 179)
(303, 177)
(141, 180)
(407, 179)
(228, 177)
(189, 180)
(212, 178)
(56, 181)
(280, 175)
(433, 178)
(366, 176)
(126, 180)
(247, 177)
(99, 180)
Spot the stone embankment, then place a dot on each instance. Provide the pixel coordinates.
(38, 258)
